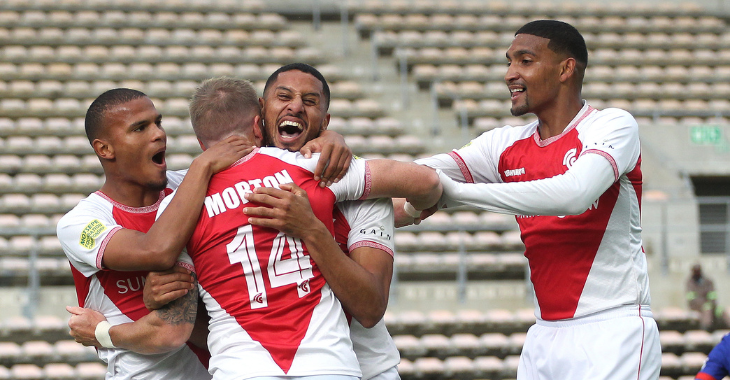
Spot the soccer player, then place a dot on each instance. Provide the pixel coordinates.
(110, 239)
(271, 313)
(717, 365)
(573, 180)
(363, 229)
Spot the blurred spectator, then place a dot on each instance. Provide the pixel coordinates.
(702, 297)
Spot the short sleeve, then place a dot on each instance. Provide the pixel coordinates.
(163, 205)
(615, 136)
(84, 233)
(185, 261)
(371, 224)
(355, 184)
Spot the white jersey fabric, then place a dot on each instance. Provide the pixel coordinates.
(272, 314)
(580, 264)
(84, 233)
(369, 223)
(586, 261)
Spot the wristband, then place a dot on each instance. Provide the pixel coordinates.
(410, 210)
(102, 334)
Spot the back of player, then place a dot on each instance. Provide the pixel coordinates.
(271, 310)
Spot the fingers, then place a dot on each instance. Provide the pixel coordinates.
(268, 198)
(75, 310)
(294, 189)
(265, 222)
(333, 167)
(306, 150)
(262, 212)
(322, 163)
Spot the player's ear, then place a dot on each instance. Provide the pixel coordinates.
(325, 122)
(202, 146)
(103, 149)
(258, 136)
(261, 102)
(567, 69)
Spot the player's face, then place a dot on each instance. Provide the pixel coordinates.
(294, 110)
(139, 142)
(533, 74)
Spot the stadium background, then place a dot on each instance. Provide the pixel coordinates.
(408, 78)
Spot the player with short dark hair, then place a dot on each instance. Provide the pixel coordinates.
(573, 180)
(110, 238)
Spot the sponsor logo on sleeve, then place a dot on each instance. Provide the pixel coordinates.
(90, 233)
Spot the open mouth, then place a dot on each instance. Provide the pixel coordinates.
(290, 130)
(515, 92)
(159, 157)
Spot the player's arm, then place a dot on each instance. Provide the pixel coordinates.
(159, 248)
(571, 193)
(334, 158)
(419, 184)
(361, 283)
(160, 331)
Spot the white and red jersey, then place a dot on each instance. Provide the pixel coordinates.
(84, 233)
(368, 223)
(579, 264)
(271, 312)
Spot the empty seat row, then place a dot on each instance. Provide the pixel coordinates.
(500, 7)
(434, 266)
(69, 164)
(690, 341)
(425, 73)
(447, 22)
(639, 107)
(154, 53)
(39, 203)
(55, 371)
(30, 222)
(594, 90)
(387, 40)
(147, 71)
(143, 18)
(467, 345)
(42, 352)
(454, 240)
(611, 57)
(385, 144)
(121, 40)
(49, 183)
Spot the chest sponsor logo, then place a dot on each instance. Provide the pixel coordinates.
(380, 232)
(90, 233)
(514, 172)
(570, 157)
(132, 284)
(232, 197)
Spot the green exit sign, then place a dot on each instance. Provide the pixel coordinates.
(706, 135)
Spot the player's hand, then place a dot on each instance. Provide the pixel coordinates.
(334, 158)
(161, 288)
(402, 218)
(286, 209)
(223, 154)
(83, 324)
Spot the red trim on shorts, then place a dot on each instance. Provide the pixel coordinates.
(462, 166)
(371, 244)
(641, 352)
(102, 247)
(368, 182)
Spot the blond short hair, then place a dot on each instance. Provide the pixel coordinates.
(223, 106)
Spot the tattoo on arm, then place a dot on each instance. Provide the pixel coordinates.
(183, 309)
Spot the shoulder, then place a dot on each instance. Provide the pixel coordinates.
(505, 135)
(291, 158)
(89, 206)
(615, 116)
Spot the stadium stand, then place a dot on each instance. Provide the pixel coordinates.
(663, 63)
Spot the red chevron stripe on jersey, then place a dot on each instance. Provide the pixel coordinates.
(262, 278)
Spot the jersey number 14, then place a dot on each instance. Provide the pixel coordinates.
(295, 270)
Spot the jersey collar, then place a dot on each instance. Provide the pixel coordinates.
(582, 114)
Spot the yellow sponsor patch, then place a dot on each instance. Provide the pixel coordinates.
(90, 233)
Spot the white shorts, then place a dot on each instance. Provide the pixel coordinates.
(388, 374)
(616, 344)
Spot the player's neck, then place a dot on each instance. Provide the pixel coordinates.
(129, 194)
(556, 118)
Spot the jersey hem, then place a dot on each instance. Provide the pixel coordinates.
(102, 247)
(185, 265)
(371, 244)
(462, 166)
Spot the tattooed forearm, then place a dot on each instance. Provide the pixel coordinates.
(183, 309)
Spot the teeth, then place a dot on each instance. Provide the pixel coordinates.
(288, 123)
(513, 90)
